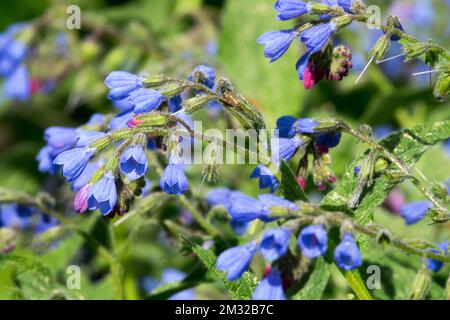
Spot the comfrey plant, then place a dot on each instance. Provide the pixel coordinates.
(267, 246)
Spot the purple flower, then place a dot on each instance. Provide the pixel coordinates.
(270, 288)
(277, 42)
(146, 100)
(122, 83)
(317, 36)
(330, 139)
(74, 161)
(235, 261)
(81, 199)
(133, 163)
(103, 194)
(313, 241)
(204, 75)
(275, 243)
(266, 178)
(174, 180)
(415, 211)
(290, 9)
(347, 254)
(436, 265)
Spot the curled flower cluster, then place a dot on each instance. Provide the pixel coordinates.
(273, 245)
(321, 60)
(313, 136)
(109, 183)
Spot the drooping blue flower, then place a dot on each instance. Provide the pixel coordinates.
(306, 125)
(146, 100)
(123, 105)
(313, 241)
(270, 288)
(13, 215)
(174, 180)
(239, 227)
(17, 84)
(60, 139)
(74, 161)
(344, 4)
(266, 178)
(244, 208)
(175, 103)
(277, 42)
(133, 162)
(285, 126)
(235, 261)
(415, 211)
(436, 265)
(302, 64)
(11, 56)
(86, 175)
(290, 9)
(103, 195)
(285, 149)
(204, 74)
(347, 254)
(45, 159)
(86, 137)
(219, 197)
(317, 36)
(275, 243)
(122, 83)
(330, 139)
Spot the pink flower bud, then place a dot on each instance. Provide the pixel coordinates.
(81, 199)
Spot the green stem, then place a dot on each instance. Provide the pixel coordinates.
(198, 217)
(355, 282)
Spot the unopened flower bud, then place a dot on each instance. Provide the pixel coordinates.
(196, 103)
(380, 48)
(154, 81)
(341, 63)
(442, 87)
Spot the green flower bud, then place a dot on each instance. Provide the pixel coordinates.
(380, 48)
(442, 87)
(196, 103)
(320, 8)
(172, 89)
(152, 119)
(421, 284)
(439, 189)
(154, 81)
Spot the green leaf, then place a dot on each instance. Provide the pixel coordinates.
(408, 145)
(289, 186)
(276, 85)
(241, 289)
(316, 283)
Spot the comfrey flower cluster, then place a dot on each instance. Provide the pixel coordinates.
(273, 245)
(321, 60)
(109, 182)
(312, 136)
